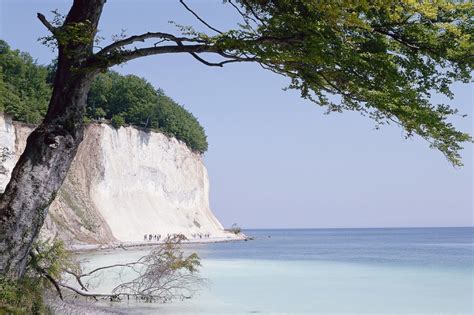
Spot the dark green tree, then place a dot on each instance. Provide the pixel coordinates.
(382, 59)
(130, 99)
(133, 100)
(24, 92)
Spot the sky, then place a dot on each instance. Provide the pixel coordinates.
(275, 160)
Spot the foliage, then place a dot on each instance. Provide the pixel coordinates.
(51, 257)
(24, 92)
(178, 122)
(383, 59)
(22, 297)
(235, 229)
(25, 89)
(117, 121)
(162, 275)
(25, 296)
(138, 103)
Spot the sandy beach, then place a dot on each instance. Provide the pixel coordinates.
(124, 245)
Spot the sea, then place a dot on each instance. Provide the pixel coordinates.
(324, 271)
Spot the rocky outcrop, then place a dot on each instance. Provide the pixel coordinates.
(124, 183)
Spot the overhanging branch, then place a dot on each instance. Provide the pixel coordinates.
(143, 37)
(115, 54)
(199, 18)
(46, 23)
(221, 63)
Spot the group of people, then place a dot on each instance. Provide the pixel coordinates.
(154, 237)
(157, 237)
(201, 235)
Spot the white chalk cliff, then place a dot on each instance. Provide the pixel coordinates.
(123, 183)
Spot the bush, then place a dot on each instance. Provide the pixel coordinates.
(25, 296)
(24, 92)
(98, 113)
(235, 229)
(117, 121)
(22, 297)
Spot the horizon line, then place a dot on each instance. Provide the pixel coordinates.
(354, 228)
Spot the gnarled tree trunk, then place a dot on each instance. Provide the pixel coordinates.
(50, 148)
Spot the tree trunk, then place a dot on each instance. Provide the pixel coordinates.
(51, 148)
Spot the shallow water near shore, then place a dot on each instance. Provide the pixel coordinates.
(421, 271)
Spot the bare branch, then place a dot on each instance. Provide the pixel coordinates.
(142, 52)
(46, 23)
(245, 16)
(88, 294)
(207, 63)
(199, 18)
(111, 55)
(249, 8)
(143, 37)
(102, 268)
(78, 279)
(162, 275)
(222, 63)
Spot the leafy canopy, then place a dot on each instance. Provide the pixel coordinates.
(25, 91)
(132, 100)
(382, 58)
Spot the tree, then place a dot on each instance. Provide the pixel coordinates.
(382, 59)
(162, 275)
(26, 88)
(24, 92)
(133, 100)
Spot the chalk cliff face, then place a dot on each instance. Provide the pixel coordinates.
(122, 185)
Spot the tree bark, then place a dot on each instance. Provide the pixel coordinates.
(51, 147)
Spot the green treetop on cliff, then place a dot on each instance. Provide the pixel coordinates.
(25, 91)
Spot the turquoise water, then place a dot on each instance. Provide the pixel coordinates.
(417, 271)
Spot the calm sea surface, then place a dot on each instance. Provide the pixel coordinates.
(320, 271)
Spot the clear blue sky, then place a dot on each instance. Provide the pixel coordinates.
(274, 159)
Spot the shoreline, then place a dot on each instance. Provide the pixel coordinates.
(79, 248)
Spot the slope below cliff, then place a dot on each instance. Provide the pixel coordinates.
(124, 183)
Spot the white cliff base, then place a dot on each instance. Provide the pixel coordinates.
(123, 184)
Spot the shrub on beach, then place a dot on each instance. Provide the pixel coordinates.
(235, 229)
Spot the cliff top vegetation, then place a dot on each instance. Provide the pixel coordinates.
(25, 90)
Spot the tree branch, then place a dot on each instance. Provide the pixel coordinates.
(143, 37)
(89, 294)
(199, 18)
(110, 56)
(142, 52)
(102, 268)
(46, 23)
(163, 274)
(248, 6)
(245, 16)
(45, 274)
(216, 64)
